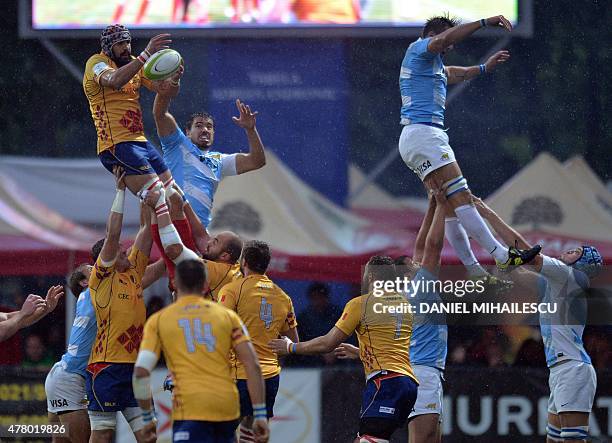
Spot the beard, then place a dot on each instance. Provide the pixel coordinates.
(123, 59)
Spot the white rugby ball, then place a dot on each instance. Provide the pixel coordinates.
(162, 64)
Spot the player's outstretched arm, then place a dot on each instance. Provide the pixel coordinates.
(439, 43)
(419, 244)
(144, 240)
(54, 293)
(110, 249)
(256, 158)
(153, 273)
(164, 121)
(435, 237)
(117, 78)
(508, 234)
(347, 351)
(458, 74)
(320, 345)
(257, 389)
(13, 323)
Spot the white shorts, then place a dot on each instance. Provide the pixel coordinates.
(429, 395)
(65, 390)
(572, 387)
(425, 148)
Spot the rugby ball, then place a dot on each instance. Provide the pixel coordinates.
(162, 64)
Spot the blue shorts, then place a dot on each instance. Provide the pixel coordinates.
(109, 386)
(137, 158)
(246, 407)
(195, 431)
(388, 399)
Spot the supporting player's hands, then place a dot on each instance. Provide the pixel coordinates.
(170, 86)
(149, 432)
(119, 174)
(158, 43)
(261, 430)
(496, 59)
(280, 346)
(481, 206)
(31, 304)
(346, 351)
(501, 21)
(439, 195)
(246, 119)
(53, 295)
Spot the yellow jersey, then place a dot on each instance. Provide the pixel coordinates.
(116, 113)
(384, 337)
(220, 274)
(266, 311)
(120, 310)
(196, 336)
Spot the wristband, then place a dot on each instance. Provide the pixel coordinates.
(483, 23)
(260, 411)
(118, 202)
(144, 56)
(147, 416)
(292, 348)
(483, 69)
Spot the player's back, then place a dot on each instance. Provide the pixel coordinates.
(219, 275)
(196, 337)
(266, 311)
(384, 329)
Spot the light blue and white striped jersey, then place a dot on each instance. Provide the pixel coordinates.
(428, 344)
(82, 335)
(562, 332)
(197, 172)
(422, 84)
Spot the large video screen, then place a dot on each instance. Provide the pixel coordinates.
(227, 14)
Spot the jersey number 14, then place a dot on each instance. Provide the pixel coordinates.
(195, 331)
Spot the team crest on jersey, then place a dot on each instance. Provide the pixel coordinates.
(445, 156)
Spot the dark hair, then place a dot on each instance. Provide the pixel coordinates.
(74, 281)
(382, 267)
(190, 276)
(439, 24)
(192, 117)
(234, 247)
(96, 249)
(256, 254)
(318, 288)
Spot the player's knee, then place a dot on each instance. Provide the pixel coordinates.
(456, 186)
(575, 433)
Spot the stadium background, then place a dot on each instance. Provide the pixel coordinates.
(553, 96)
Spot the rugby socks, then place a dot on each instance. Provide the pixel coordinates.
(579, 433)
(476, 228)
(458, 238)
(553, 433)
(370, 439)
(184, 231)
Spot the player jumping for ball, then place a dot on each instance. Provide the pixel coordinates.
(423, 143)
(112, 82)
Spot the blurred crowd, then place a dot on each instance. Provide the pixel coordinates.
(42, 344)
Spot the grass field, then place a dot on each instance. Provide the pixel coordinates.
(95, 13)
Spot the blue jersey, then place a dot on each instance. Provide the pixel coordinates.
(562, 331)
(197, 172)
(428, 345)
(82, 335)
(422, 85)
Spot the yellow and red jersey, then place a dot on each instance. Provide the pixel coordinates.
(384, 338)
(120, 310)
(196, 336)
(116, 113)
(266, 311)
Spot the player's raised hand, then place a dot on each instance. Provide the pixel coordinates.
(496, 59)
(280, 346)
(119, 174)
(261, 430)
(500, 21)
(158, 43)
(246, 119)
(53, 295)
(346, 351)
(31, 304)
